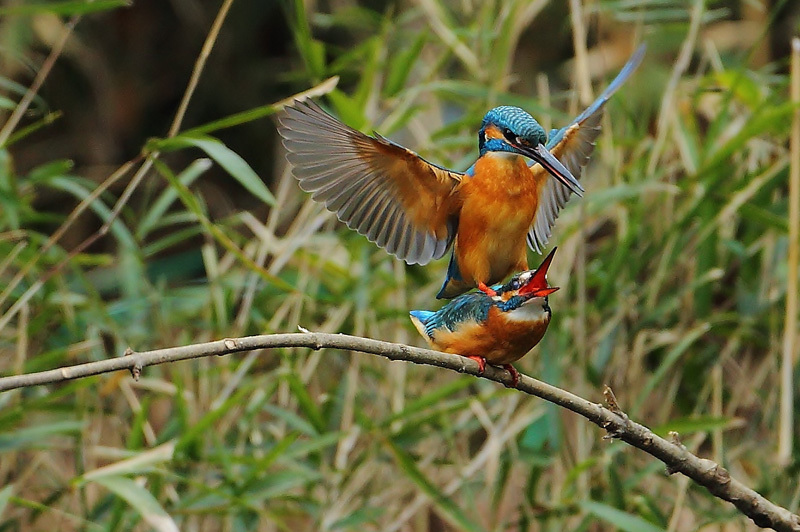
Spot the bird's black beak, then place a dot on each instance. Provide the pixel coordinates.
(542, 155)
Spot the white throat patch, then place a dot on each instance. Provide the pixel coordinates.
(532, 310)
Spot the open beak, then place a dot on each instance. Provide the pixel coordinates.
(537, 286)
(542, 155)
(544, 292)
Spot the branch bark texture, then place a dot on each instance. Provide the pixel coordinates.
(609, 417)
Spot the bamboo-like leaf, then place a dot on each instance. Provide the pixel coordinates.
(141, 500)
(689, 425)
(307, 405)
(670, 359)
(622, 520)
(225, 157)
(265, 110)
(139, 463)
(5, 495)
(156, 211)
(432, 399)
(401, 64)
(448, 508)
(77, 189)
(196, 431)
(64, 8)
(37, 435)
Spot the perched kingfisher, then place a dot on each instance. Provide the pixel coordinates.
(417, 210)
(497, 329)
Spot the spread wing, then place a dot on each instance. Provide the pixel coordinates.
(573, 145)
(387, 193)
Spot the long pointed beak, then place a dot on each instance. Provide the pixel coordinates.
(537, 286)
(542, 155)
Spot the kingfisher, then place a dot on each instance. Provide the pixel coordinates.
(497, 329)
(417, 210)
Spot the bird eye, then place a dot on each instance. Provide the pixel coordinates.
(509, 135)
(514, 284)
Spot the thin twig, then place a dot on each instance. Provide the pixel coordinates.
(199, 65)
(47, 66)
(583, 84)
(677, 458)
(667, 112)
(786, 428)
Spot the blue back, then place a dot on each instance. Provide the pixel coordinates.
(473, 306)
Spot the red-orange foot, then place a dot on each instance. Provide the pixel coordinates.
(486, 290)
(481, 363)
(514, 374)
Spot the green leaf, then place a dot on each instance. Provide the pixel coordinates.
(348, 109)
(357, 519)
(280, 484)
(201, 428)
(770, 118)
(23, 132)
(294, 421)
(139, 463)
(77, 189)
(5, 495)
(193, 204)
(670, 359)
(400, 67)
(622, 520)
(64, 8)
(311, 50)
(141, 500)
(688, 425)
(225, 157)
(430, 400)
(305, 402)
(37, 435)
(449, 509)
(264, 110)
(47, 171)
(233, 120)
(8, 104)
(160, 205)
(319, 443)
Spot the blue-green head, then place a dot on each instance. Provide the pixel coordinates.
(508, 129)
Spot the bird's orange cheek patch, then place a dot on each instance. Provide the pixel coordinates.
(492, 132)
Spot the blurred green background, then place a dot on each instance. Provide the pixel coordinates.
(673, 267)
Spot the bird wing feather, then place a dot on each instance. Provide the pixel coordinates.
(472, 307)
(388, 193)
(572, 145)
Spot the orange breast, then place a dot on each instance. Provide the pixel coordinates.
(499, 205)
(498, 340)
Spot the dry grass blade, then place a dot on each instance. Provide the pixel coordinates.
(786, 429)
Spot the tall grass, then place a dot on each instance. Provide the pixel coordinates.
(684, 225)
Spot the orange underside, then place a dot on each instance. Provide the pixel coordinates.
(499, 206)
(499, 340)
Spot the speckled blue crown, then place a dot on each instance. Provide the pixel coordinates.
(518, 121)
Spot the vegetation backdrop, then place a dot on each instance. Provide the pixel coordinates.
(673, 268)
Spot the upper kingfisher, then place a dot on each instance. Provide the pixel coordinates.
(497, 329)
(416, 210)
